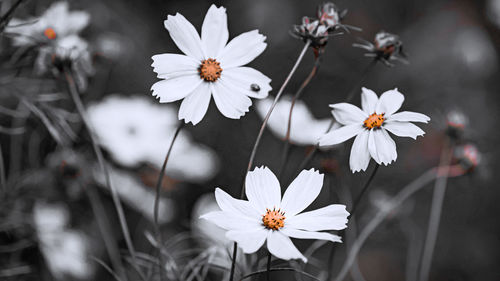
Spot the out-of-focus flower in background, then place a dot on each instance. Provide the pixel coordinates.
(266, 216)
(305, 129)
(55, 34)
(386, 47)
(467, 156)
(493, 11)
(66, 251)
(473, 47)
(456, 121)
(134, 130)
(370, 126)
(56, 23)
(210, 67)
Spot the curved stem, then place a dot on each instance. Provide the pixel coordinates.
(286, 146)
(259, 136)
(363, 191)
(435, 215)
(100, 159)
(159, 238)
(5, 18)
(3, 181)
(404, 194)
(279, 269)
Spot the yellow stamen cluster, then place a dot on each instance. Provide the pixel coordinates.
(50, 33)
(274, 219)
(210, 70)
(374, 121)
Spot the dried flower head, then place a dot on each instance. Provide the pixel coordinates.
(456, 121)
(386, 47)
(467, 156)
(317, 30)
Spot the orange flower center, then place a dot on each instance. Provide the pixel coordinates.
(374, 121)
(274, 219)
(210, 70)
(49, 33)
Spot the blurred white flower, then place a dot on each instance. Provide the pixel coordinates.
(56, 33)
(135, 194)
(55, 23)
(210, 68)
(493, 11)
(370, 127)
(267, 216)
(474, 48)
(65, 251)
(134, 130)
(304, 128)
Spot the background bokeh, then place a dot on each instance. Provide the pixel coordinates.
(453, 48)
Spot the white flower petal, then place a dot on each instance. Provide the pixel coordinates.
(76, 22)
(403, 129)
(331, 217)
(368, 100)
(231, 205)
(282, 247)
(248, 240)
(194, 106)
(302, 192)
(230, 221)
(244, 77)
(389, 102)
(185, 36)
(372, 147)
(360, 156)
(386, 147)
(230, 104)
(214, 33)
(347, 114)
(302, 234)
(174, 65)
(341, 134)
(408, 116)
(263, 189)
(175, 88)
(242, 49)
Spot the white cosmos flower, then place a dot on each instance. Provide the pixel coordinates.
(210, 67)
(370, 127)
(135, 130)
(305, 129)
(267, 216)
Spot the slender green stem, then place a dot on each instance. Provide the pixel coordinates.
(363, 191)
(396, 201)
(159, 237)
(435, 216)
(100, 159)
(279, 269)
(259, 136)
(286, 146)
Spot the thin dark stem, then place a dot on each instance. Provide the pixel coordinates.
(279, 269)
(375, 221)
(100, 159)
(435, 214)
(5, 18)
(259, 136)
(3, 181)
(268, 274)
(159, 238)
(286, 146)
(363, 191)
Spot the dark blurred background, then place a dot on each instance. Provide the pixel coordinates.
(453, 49)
